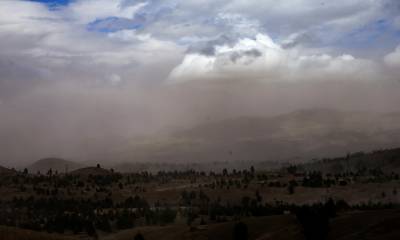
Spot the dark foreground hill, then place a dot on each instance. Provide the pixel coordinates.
(56, 164)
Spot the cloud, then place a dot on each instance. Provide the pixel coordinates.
(28, 18)
(86, 11)
(113, 24)
(263, 59)
(93, 40)
(115, 79)
(396, 22)
(299, 38)
(55, 45)
(393, 59)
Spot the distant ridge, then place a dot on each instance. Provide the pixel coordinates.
(387, 160)
(56, 164)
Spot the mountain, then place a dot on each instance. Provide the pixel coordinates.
(293, 137)
(56, 164)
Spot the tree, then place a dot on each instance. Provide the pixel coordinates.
(240, 231)
(252, 170)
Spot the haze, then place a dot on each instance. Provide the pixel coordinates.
(83, 79)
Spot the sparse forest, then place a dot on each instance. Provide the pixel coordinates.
(99, 202)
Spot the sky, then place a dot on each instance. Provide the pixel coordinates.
(77, 74)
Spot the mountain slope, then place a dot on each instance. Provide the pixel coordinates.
(388, 160)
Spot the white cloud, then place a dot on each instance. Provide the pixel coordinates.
(393, 59)
(238, 24)
(53, 43)
(58, 41)
(27, 18)
(261, 58)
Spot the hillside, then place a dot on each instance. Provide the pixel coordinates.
(387, 160)
(293, 137)
(56, 164)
